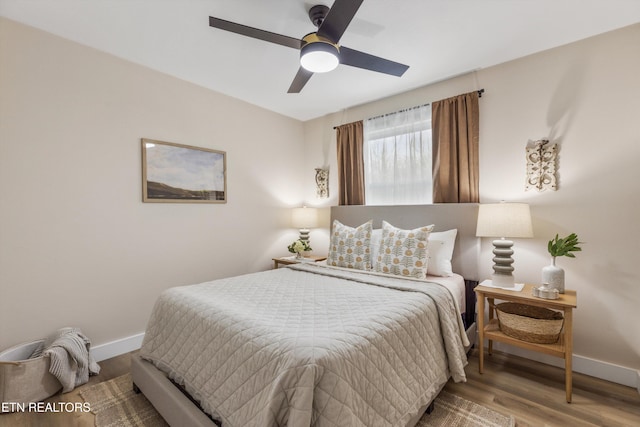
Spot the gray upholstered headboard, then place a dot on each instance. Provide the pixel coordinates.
(446, 216)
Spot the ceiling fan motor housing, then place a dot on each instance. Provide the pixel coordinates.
(313, 38)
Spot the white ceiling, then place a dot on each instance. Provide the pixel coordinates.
(438, 39)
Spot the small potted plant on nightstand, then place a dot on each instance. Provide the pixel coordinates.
(299, 247)
(552, 274)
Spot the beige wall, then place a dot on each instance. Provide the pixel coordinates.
(77, 245)
(585, 97)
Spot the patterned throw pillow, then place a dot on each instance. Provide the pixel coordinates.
(349, 247)
(403, 252)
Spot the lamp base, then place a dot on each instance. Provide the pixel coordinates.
(503, 280)
(304, 234)
(502, 268)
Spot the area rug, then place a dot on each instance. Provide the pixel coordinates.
(116, 405)
(452, 410)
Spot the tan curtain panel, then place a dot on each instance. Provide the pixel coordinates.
(455, 131)
(350, 164)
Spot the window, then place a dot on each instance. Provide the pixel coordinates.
(397, 158)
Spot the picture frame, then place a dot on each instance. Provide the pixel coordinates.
(177, 173)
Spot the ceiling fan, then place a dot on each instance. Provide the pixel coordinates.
(320, 51)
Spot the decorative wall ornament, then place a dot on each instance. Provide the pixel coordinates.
(541, 165)
(322, 183)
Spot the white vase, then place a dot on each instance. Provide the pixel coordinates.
(553, 276)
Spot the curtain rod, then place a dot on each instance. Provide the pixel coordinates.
(480, 92)
(399, 111)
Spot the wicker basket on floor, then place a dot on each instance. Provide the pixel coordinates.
(529, 323)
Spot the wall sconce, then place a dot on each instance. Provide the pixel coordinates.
(322, 183)
(541, 165)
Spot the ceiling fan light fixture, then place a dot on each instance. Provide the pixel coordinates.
(318, 55)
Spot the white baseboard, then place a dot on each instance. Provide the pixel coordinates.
(116, 348)
(584, 365)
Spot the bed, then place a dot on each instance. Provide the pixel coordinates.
(311, 344)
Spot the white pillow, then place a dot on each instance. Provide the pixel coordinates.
(441, 244)
(350, 247)
(403, 252)
(376, 240)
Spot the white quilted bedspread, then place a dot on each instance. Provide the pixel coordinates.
(308, 346)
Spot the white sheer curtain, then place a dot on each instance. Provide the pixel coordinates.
(397, 158)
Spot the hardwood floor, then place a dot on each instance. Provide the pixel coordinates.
(534, 393)
(531, 391)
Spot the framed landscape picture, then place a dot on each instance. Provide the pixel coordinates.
(176, 173)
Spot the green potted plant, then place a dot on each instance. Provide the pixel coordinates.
(552, 275)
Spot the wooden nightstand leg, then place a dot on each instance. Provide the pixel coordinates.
(568, 352)
(491, 305)
(480, 318)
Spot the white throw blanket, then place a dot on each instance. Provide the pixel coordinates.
(70, 359)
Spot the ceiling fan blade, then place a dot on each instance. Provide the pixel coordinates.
(301, 79)
(254, 33)
(338, 18)
(359, 59)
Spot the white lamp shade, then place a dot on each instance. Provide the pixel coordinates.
(504, 220)
(304, 217)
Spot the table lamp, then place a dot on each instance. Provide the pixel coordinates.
(504, 220)
(304, 218)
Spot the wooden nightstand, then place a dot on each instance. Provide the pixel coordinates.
(286, 260)
(563, 348)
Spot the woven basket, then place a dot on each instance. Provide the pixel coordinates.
(24, 380)
(529, 323)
